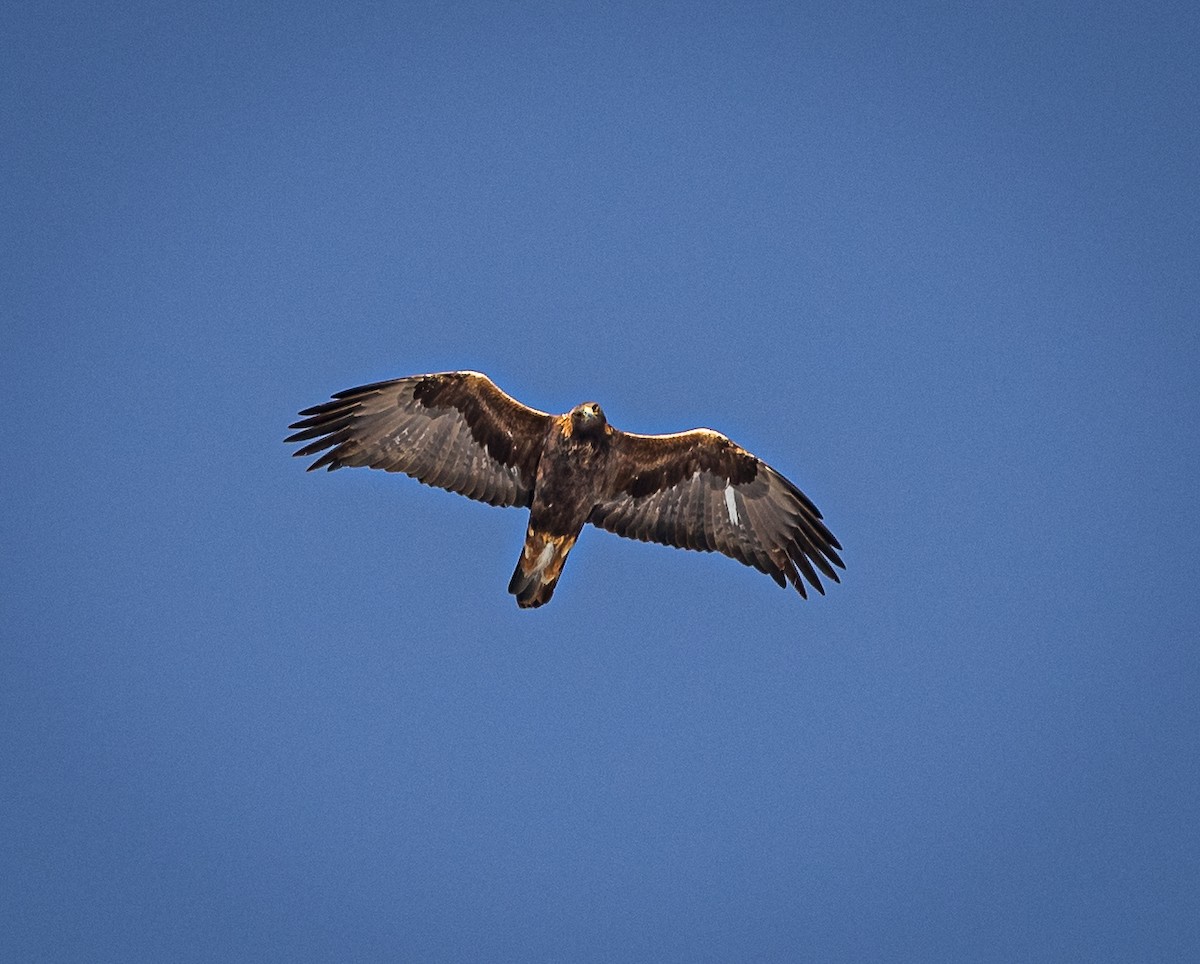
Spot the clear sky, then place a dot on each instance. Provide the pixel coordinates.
(937, 263)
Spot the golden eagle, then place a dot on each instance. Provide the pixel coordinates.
(693, 490)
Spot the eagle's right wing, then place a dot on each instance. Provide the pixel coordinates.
(455, 430)
(699, 490)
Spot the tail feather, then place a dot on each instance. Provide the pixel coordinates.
(539, 567)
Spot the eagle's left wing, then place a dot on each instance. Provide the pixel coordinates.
(699, 490)
(455, 430)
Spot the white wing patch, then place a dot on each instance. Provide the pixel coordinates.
(731, 504)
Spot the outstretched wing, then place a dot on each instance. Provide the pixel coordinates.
(698, 490)
(455, 430)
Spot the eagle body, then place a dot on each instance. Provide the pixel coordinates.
(572, 476)
(572, 473)
(692, 490)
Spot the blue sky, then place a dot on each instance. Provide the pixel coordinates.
(936, 263)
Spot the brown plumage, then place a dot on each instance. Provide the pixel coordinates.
(693, 490)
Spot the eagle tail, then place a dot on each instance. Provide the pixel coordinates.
(539, 567)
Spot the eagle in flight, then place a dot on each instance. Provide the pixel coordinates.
(692, 490)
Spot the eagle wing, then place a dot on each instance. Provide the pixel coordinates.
(699, 490)
(454, 430)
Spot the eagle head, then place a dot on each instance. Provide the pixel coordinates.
(588, 419)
